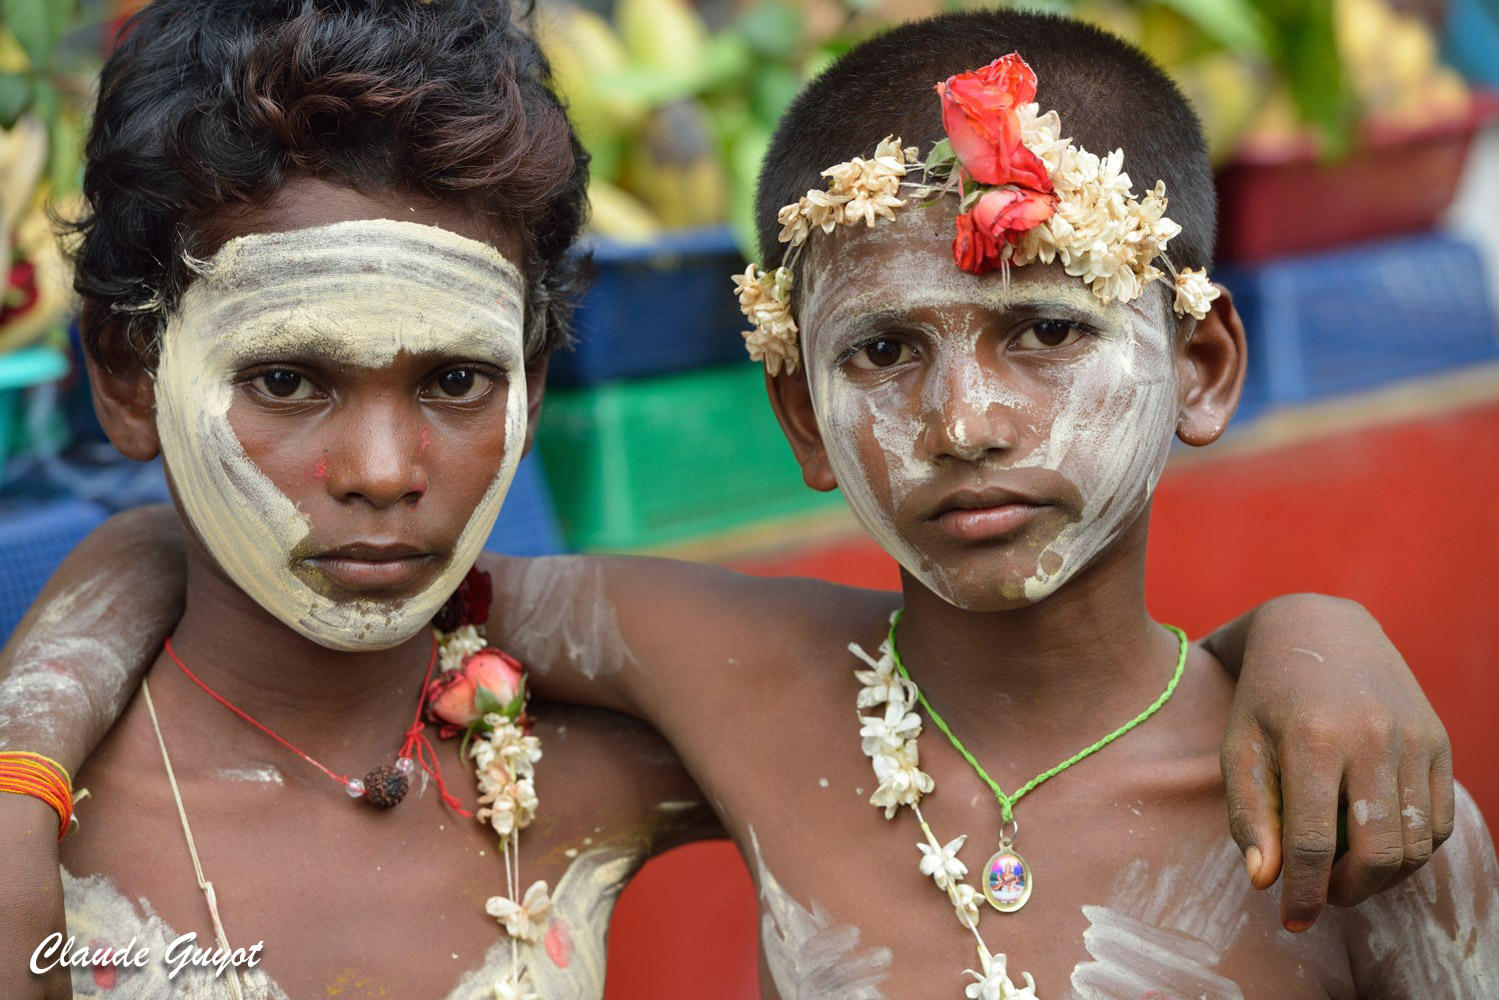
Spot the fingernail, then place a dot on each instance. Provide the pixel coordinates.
(1252, 861)
(1297, 926)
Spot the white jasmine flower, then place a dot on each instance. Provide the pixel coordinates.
(1194, 293)
(794, 223)
(512, 987)
(456, 645)
(526, 920)
(965, 903)
(901, 781)
(994, 984)
(889, 733)
(765, 300)
(941, 864)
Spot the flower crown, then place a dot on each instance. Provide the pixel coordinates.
(1025, 193)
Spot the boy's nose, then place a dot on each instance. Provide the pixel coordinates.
(380, 461)
(958, 425)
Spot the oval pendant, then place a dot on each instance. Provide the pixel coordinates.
(1007, 880)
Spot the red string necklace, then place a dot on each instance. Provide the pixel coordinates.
(385, 785)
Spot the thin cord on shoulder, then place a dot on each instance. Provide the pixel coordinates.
(187, 831)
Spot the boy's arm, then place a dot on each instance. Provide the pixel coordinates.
(1326, 712)
(65, 675)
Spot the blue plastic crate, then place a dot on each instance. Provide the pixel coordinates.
(34, 538)
(1472, 40)
(663, 307)
(527, 525)
(1359, 317)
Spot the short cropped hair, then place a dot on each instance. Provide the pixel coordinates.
(1108, 94)
(210, 106)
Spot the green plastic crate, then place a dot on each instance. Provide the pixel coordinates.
(640, 463)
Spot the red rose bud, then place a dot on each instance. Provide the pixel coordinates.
(450, 699)
(496, 672)
(972, 248)
(978, 114)
(455, 698)
(1004, 213)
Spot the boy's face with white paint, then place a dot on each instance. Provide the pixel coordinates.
(341, 402)
(993, 436)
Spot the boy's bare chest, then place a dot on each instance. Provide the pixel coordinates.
(1111, 913)
(1136, 889)
(342, 901)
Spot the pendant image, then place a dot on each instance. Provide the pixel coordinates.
(1007, 881)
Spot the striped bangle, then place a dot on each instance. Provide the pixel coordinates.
(25, 773)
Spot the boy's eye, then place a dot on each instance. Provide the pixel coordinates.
(461, 383)
(1048, 333)
(283, 384)
(881, 353)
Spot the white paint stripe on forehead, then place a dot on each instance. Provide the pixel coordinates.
(356, 293)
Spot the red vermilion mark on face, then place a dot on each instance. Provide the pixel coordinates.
(421, 451)
(320, 469)
(559, 943)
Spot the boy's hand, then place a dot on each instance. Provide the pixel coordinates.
(30, 898)
(1328, 717)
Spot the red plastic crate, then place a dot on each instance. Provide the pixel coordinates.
(1394, 181)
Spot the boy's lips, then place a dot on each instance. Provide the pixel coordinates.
(373, 566)
(975, 515)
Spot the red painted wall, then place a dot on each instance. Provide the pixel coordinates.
(1403, 518)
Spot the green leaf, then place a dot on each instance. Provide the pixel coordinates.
(941, 157)
(774, 30)
(1235, 23)
(65, 156)
(486, 702)
(15, 98)
(1305, 55)
(38, 25)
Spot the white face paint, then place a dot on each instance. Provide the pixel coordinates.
(1088, 425)
(356, 294)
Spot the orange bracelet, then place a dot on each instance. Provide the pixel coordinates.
(26, 773)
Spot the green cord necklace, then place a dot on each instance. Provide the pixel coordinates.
(1007, 879)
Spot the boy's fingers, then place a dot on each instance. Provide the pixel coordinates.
(1252, 787)
(1376, 843)
(1443, 796)
(1312, 782)
(1415, 814)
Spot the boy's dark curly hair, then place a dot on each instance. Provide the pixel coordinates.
(209, 106)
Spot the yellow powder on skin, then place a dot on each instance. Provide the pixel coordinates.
(356, 293)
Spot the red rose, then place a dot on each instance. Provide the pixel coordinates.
(973, 248)
(469, 604)
(1006, 212)
(978, 114)
(453, 698)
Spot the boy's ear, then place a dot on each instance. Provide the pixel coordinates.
(536, 388)
(124, 394)
(1211, 363)
(791, 398)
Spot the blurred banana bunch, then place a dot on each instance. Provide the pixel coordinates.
(40, 138)
(1393, 68)
(678, 117)
(1263, 72)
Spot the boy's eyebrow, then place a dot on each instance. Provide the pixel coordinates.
(1080, 304)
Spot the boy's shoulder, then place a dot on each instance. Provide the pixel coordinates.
(1437, 933)
(602, 615)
